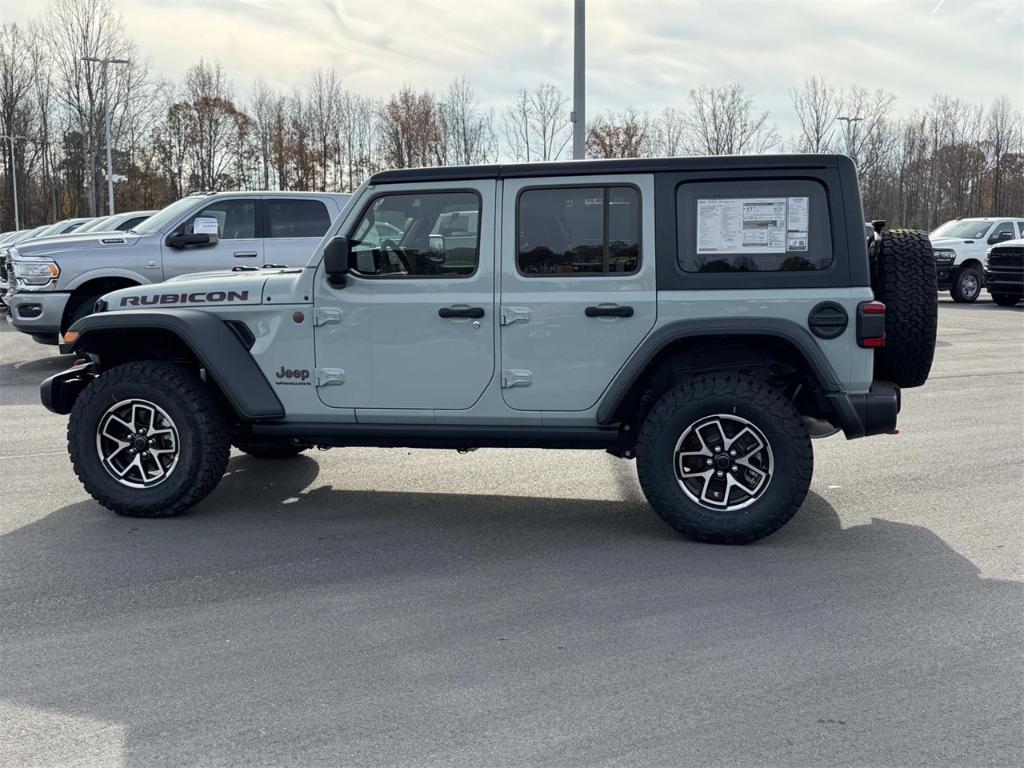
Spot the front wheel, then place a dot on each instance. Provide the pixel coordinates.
(725, 459)
(147, 439)
(966, 286)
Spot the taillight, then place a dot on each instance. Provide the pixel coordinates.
(871, 324)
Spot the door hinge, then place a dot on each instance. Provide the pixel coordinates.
(515, 377)
(511, 315)
(322, 316)
(327, 377)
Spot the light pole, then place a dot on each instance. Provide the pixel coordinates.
(849, 127)
(14, 173)
(579, 83)
(106, 102)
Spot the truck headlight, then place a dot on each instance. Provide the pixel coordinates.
(944, 257)
(36, 272)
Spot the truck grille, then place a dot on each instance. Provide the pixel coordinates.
(1011, 258)
(5, 268)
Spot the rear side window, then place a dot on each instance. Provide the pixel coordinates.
(585, 231)
(753, 226)
(296, 218)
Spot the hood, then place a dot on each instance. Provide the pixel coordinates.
(956, 242)
(203, 289)
(49, 246)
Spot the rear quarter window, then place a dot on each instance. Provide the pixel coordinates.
(753, 226)
(296, 218)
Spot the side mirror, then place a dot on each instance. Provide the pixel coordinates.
(337, 260)
(437, 252)
(190, 241)
(1000, 237)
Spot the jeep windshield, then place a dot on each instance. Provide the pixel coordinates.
(967, 229)
(164, 216)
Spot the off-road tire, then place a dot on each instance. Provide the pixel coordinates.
(960, 292)
(1005, 299)
(759, 403)
(269, 449)
(203, 440)
(903, 278)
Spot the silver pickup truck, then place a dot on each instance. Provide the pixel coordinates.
(47, 285)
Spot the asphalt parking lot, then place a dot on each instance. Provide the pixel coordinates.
(506, 608)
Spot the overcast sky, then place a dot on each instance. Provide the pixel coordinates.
(640, 53)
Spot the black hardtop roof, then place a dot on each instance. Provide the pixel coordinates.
(595, 167)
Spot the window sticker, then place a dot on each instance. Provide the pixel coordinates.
(752, 225)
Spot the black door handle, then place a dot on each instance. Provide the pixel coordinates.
(608, 311)
(448, 312)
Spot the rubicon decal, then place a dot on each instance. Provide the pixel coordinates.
(209, 297)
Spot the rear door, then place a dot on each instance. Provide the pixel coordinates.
(294, 227)
(237, 244)
(577, 286)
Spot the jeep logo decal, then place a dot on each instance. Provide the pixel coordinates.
(211, 297)
(296, 375)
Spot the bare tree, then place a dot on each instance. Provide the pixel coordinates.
(668, 133)
(358, 139)
(211, 118)
(465, 131)
(408, 129)
(324, 103)
(816, 105)
(619, 135)
(1002, 136)
(722, 120)
(537, 124)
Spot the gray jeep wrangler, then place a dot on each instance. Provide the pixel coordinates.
(705, 316)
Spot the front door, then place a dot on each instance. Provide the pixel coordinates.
(237, 244)
(413, 327)
(577, 286)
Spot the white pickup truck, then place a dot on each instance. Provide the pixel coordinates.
(960, 247)
(49, 284)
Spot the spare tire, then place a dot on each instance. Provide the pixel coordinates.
(903, 278)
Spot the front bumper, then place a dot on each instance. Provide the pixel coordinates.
(944, 277)
(59, 392)
(36, 312)
(867, 413)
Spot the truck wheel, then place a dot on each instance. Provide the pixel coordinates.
(724, 458)
(147, 439)
(966, 286)
(269, 449)
(83, 308)
(1005, 299)
(903, 277)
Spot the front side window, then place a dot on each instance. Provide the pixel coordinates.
(578, 231)
(296, 218)
(1003, 231)
(434, 234)
(236, 219)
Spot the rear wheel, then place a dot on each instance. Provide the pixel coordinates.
(147, 439)
(724, 459)
(903, 277)
(1005, 299)
(966, 285)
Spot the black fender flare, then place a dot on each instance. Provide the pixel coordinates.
(662, 337)
(217, 347)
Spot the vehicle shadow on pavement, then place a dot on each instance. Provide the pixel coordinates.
(284, 622)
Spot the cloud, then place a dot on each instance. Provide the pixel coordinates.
(644, 54)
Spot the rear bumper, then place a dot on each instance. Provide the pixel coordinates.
(867, 413)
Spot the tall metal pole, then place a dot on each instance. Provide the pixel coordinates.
(14, 175)
(579, 83)
(106, 123)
